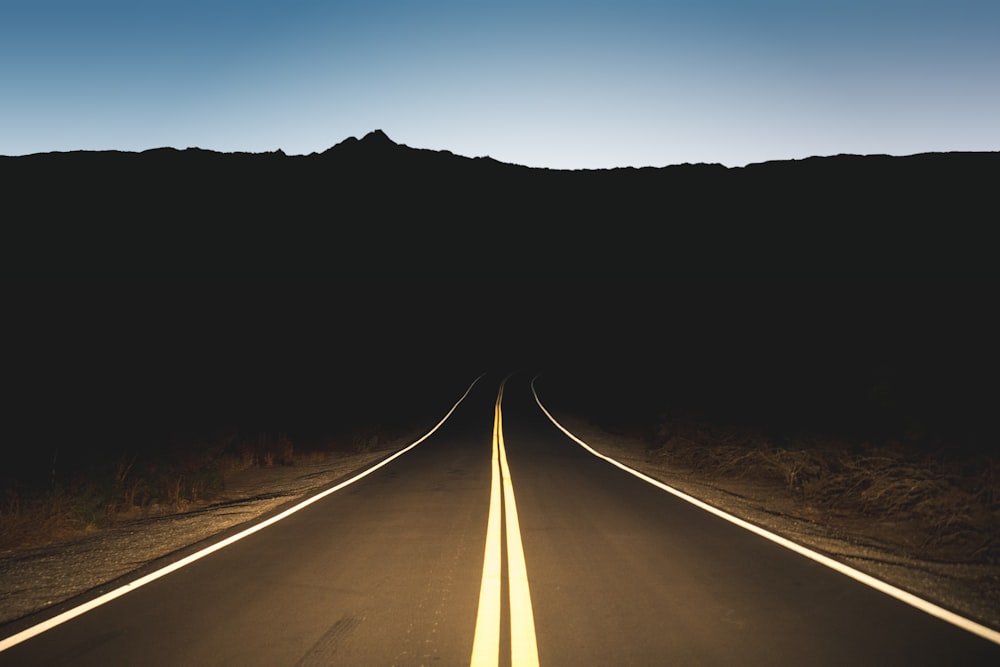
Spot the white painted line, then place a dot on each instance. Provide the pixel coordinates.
(486, 645)
(70, 614)
(879, 585)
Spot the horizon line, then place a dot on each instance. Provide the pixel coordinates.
(380, 135)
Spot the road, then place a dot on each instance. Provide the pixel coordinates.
(499, 540)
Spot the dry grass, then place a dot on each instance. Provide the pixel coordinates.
(950, 505)
(134, 486)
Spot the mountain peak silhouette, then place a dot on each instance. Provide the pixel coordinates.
(375, 142)
(377, 137)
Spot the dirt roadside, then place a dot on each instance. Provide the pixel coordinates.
(875, 548)
(37, 578)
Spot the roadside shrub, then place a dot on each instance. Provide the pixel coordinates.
(365, 439)
(163, 479)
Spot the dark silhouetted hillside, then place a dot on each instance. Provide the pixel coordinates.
(152, 294)
(367, 203)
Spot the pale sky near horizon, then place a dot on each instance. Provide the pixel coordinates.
(548, 84)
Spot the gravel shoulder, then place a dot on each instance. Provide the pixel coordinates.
(38, 578)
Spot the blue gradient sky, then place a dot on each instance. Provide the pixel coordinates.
(552, 84)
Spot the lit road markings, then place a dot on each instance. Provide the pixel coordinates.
(523, 648)
(486, 645)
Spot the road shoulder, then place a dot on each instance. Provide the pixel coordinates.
(40, 578)
(970, 590)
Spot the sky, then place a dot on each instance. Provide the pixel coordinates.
(566, 85)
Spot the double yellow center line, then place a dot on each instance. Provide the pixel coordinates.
(486, 645)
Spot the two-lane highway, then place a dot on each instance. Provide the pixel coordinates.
(500, 540)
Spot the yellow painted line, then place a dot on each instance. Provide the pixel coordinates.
(523, 644)
(486, 645)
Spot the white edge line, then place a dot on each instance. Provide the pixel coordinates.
(79, 610)
(879, 585)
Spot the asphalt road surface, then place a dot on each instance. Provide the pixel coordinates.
(499, 540)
